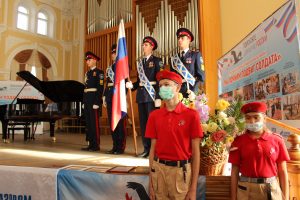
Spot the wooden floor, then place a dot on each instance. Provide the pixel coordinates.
(43, 152)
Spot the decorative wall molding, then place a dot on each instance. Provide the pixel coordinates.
(12, 41)
(53, 3)
(3, 28)
(67, 6)
(67, 46)
(53, 51)
(71, 7)
(40, 48)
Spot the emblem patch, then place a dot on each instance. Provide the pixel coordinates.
(181, 122)
(272, 150)
(94, 73)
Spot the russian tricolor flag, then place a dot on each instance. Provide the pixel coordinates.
(119, 104)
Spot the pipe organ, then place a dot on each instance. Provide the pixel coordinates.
(157, 18)
(166, 24)
(106, 14)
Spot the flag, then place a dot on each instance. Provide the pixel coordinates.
(119, 104)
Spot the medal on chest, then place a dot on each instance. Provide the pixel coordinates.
(101, 77)
(188, 60)
(151, 64)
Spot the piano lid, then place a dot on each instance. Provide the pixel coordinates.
(57, 91)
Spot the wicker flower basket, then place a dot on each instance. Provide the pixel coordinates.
(212, 161)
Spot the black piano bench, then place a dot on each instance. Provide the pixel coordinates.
(12, 126)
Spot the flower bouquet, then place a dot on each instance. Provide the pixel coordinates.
(220, 129)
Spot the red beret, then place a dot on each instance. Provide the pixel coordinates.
(165, 74)
(254, 107)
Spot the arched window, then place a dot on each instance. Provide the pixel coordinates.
(23, 18)
(42, 23)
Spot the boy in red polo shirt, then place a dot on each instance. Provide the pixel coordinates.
(259, 155)
(175, 133)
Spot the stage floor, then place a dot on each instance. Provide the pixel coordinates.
(43, 152)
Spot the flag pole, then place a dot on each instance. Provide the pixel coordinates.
(133, 122)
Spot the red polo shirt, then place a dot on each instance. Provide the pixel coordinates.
(258, 157)
(174, 131)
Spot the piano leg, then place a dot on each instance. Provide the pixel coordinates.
(52, 126)
(25, 132)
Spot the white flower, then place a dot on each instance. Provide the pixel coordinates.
(231, 120)
(222, 115)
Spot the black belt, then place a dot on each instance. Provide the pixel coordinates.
(178, 163)
(257, 180)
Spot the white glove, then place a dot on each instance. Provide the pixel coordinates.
(104, 102)
(95, 106)
(157, 103)
(192, 95)
(82, 106)
(129, 85)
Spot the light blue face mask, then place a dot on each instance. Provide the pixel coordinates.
(255, 127)
(166, 92)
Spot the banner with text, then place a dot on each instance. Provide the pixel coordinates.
(27, 183)
(10, 89)
(32, 183)
(72, 185)
(265, 66)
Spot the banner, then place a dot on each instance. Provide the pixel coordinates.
(265, 66)
(9, 90)
(31, 183)
(27, 183)
(73, 185)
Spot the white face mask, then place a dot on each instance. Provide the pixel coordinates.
(255, 127)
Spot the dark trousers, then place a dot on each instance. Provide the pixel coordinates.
(144, 111)
(4, 128)
(92, 129)
(119, 134)
(3, 110)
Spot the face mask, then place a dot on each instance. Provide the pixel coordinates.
(255, 127)
(166, 92)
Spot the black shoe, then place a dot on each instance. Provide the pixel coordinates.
(118, 152)
(112, 151)
(85, 148)
(94, 149)
(145, 154)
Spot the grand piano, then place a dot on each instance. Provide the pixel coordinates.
(66, 97)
